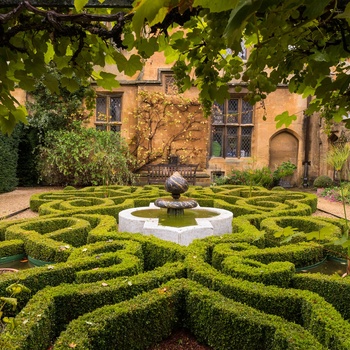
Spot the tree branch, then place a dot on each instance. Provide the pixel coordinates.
(55, 22)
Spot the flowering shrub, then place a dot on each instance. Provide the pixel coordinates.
(333, 194)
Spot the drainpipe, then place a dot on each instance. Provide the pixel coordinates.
(306, 162)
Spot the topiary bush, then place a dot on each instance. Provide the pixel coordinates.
(323, 181)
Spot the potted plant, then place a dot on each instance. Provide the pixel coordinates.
(283, 174)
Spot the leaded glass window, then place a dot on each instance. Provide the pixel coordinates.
(232, 126)
(170, 85)
(108, 113)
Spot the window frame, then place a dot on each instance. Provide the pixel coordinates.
(226, 119)
(170, 87)
(109, 123)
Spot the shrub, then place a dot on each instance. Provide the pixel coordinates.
(8, 162)
(323, 181)
(332, 194)
(27, 171)
(84, 157)
(257, 177)
(262, 177)
(283, 170)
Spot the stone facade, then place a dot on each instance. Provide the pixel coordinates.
(303, 142)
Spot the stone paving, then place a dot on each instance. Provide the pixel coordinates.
(18, 200)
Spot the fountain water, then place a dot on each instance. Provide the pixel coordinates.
(145, 220)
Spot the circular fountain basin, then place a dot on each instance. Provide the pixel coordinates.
(183, 235)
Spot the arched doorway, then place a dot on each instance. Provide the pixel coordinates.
(283, 147)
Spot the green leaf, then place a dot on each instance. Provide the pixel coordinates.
(10, 301)
(216, 5)
(159, 17)
(52, 84)
(171, 55)
(109, 59)
(319, 235)
(238, 20)
(289, 238)
(71, 84)
(79, 4)
(27, 83)
(107, 81)
(67, 72)
(129, 40)
(346, 244)
(308, 91)
(20, 114)
(287, 231)
(346, 13)
(62, 62)
(134, 64)
(319, 56)
(186, 83)
(341, 241)
(284, 119)
(17, 288)
(7, 123)
(315, 8)
(49, 54)
(147, 10)
(148, 47)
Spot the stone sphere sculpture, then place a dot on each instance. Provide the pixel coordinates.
(176, 184)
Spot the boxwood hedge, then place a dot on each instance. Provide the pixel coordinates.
(106, 289)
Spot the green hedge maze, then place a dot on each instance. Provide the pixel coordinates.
(97, 288)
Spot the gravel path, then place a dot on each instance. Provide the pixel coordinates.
(17, 201)
(335, 208)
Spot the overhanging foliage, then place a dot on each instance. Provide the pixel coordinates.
(302, 44)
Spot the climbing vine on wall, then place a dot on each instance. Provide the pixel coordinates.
(165, 126)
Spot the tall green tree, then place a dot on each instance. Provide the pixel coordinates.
(51, 111)
(304, 44)
(78, 42)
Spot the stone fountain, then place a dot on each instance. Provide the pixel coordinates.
(215, 221)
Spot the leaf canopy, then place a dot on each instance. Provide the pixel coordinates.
(304, 44)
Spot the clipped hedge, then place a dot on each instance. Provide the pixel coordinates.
(51, 239)
(106, 260)
(334, 289)
(159, 311)
(8, 161)
(303, 307)
(109, 284)
(51, 309)
(11, 248)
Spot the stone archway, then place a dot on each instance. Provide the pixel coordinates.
(283, 146)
